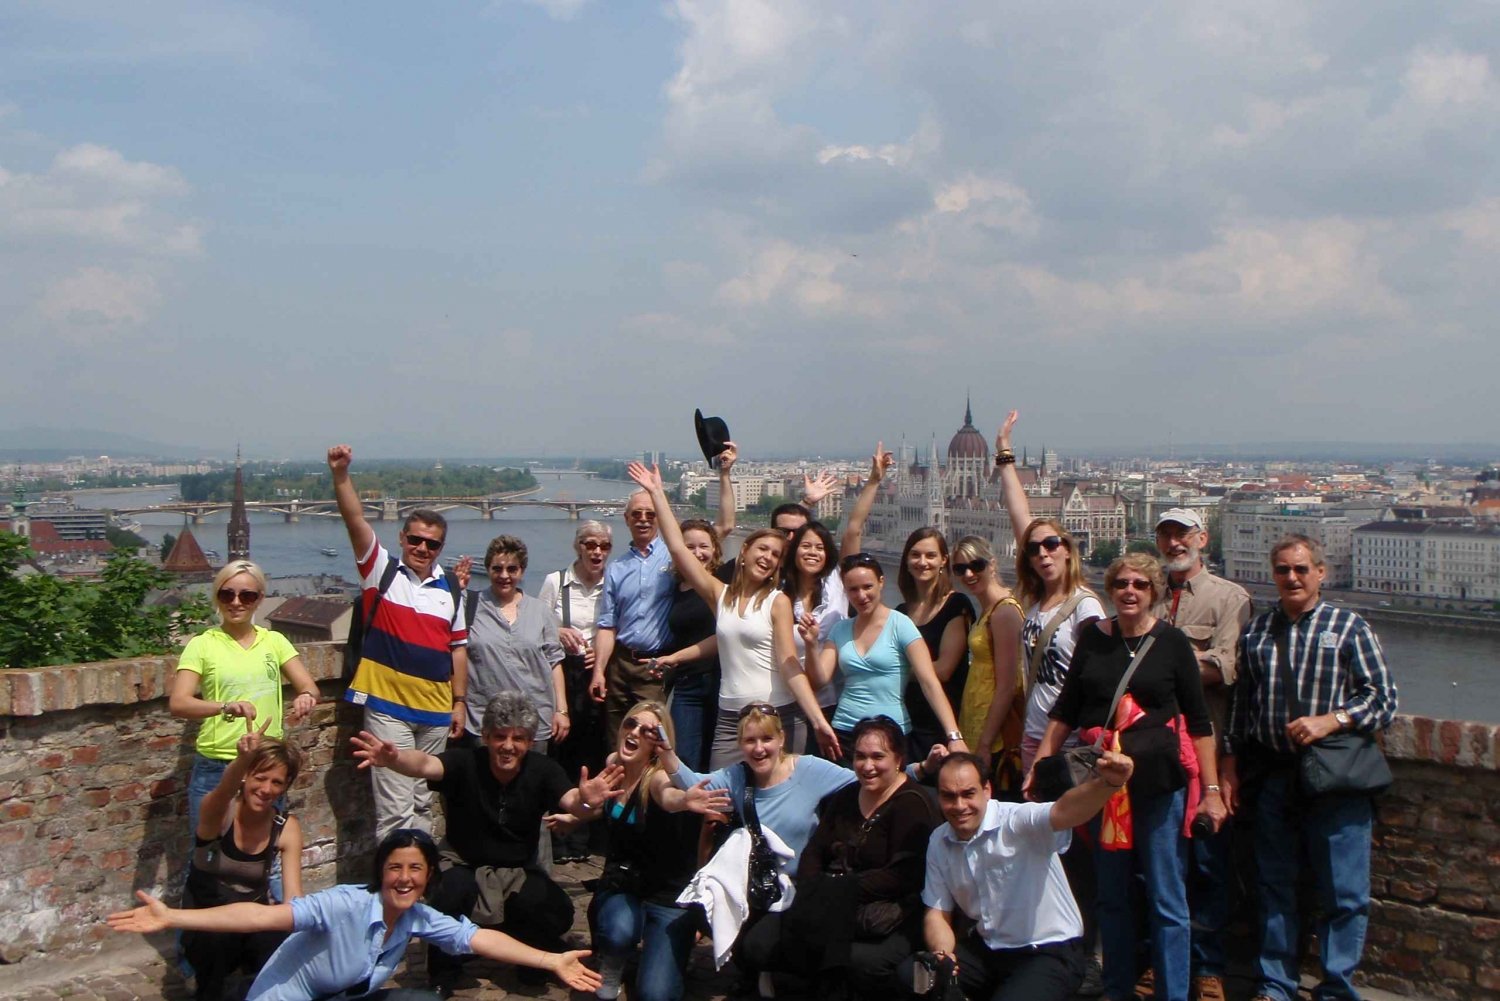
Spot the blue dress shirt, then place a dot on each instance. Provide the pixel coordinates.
(637, 597)
(338, 942)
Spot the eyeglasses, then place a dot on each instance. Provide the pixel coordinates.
(1051, 543)
(423, 542)
(592, 544)
(1122, 584)
(1280, 570)
(764, 708)
(634, 723)
(227, 595)
(643, 515)
(509, 569)
(978, 566)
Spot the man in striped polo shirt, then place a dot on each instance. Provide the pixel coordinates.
(413, 668)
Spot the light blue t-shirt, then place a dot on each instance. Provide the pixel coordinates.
(875, 680)
(338, 941)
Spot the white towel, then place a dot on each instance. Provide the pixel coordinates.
(720, 886)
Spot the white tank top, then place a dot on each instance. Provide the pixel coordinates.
(747, 662)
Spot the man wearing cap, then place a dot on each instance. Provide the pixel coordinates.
(1212, 612)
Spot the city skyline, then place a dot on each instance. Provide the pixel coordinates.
(560, 221)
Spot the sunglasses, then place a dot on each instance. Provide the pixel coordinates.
(227, 595)
(1133, 583)
(592, 544)
(764, 708)
(1280, 570)
(643, 515)
(509, 569)
(978, 566)
(423, 542)
(634, 723)
(1051, 543)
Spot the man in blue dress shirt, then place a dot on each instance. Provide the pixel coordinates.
(632, 619)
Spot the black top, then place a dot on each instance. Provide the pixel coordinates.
(494, 824)
(923, 719)
(691, 620)
(887, 853)
(652, 854)
(1166, 684)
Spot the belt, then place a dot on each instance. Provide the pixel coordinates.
(638, 656)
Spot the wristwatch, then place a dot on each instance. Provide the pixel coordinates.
(1344, 720)
(955, 735)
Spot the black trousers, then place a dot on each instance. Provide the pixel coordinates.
(871, 964)
(539, 914)
(1035, 973)
(217, 955)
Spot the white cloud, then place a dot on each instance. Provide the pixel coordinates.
(98, 302)
(1448, 78)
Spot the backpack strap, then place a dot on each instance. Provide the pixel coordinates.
(1039, 652)
(562, 590)
(391, 567)
(470, 603)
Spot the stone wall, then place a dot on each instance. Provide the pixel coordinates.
(93, 774)
(93, 796)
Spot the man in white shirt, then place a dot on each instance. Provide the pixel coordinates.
(998, 863)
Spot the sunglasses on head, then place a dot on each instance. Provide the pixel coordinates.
(764, 708)
(1125, 585)
(423, 542)
(414, 833)
(1281, 570)
(227, 595)
(978, 566)
(1051, 543)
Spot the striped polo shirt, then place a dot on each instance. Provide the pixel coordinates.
(406, 662)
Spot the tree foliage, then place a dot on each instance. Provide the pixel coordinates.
(1104, 553)
(312, 482)
(50, 620)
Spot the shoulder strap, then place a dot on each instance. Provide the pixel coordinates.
(392, 566)
(471, 602)
(1039, 652)
(562, 592)
(457, 590)
(747, 804)
(1135, 662)
(278, 824)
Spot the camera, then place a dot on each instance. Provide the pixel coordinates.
(1202, 827)
(933, 975)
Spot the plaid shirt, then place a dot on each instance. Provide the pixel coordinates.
(1337, 664)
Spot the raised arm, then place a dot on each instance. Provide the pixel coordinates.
(854, 525)
(1005, 645)
(215, 805)
(361, 535)
(697, 577)
(1016, 504)
(922, 669)
(414, 764)
(785, 652)
(1080, 803)
(725, 524)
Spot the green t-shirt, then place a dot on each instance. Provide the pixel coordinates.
(230, 673)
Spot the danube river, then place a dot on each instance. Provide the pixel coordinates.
(1444, 673)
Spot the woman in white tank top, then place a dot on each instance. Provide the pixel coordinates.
(757, 658)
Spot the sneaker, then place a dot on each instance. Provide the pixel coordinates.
(1207, 987)
(1093, 979)
(612, 972)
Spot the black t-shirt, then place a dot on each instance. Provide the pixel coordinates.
(691, 621)
(494, 824)
(923, 719)
(1167, 683)
(653, 854)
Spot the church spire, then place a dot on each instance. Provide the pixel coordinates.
(968, 411)
(238, 534)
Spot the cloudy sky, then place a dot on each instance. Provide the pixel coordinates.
(557, 226)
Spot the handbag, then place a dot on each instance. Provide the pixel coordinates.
(1341, 764)
(1055, 774)
(762, 880)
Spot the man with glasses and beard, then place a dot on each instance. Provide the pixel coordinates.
(1212, 612)
(1308, 671)
(413, 669)
(632, 621)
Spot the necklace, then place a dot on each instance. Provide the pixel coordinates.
(1133, 649)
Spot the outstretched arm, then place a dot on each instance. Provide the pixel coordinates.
(698, 578)
(727, 458)
(566, 966)
(154, 916)
(361, 535)
(414, 764)
(1016, 503)
(1080, 803)
(215, 806)
(854, 525)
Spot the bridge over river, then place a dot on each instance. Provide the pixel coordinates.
(379, 508)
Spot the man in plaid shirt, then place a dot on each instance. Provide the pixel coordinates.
(1341, 684)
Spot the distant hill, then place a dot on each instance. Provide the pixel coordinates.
(34, 444)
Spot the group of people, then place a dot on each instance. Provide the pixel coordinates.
(880, 785)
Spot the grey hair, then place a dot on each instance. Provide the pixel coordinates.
(510, 711)
(591, 527)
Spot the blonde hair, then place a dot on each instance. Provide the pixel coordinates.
(231, 570)
(1142, 563)
(771, 722)
(1033, 589)
(658, 710)
(739, 585)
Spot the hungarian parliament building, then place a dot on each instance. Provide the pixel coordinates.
(962, 496)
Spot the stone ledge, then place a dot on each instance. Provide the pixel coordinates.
(1455, 743)
(38, 690)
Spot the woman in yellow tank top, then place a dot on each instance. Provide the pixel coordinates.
(992, 711)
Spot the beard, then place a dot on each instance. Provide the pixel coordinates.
(1183, 563)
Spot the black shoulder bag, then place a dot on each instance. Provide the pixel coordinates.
(1342, 764)
(763, 878)
(1055, 774)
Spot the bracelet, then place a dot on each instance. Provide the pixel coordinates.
(587, 808)
(224, 710)
(1005, 458)
(459, 698)
(560, 712)
(1211, 788)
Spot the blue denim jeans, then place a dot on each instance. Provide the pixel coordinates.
(1208, 899)
(620, 920)
(1334, 834)
(1160, 855)
(694, 704)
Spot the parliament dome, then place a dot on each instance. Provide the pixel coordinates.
(968, 443)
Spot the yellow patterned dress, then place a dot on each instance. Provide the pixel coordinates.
(979, 691)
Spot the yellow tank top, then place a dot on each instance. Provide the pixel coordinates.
(979, 690)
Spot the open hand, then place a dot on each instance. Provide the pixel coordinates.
(714, 803)
(814, 490)
(464, 570)
(650, 479)
(371, 750)
(153, 916)
(1002, 439)
(568, 967)
(828, 741)
(608, 784)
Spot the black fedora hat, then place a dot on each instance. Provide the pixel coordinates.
(713, 435)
